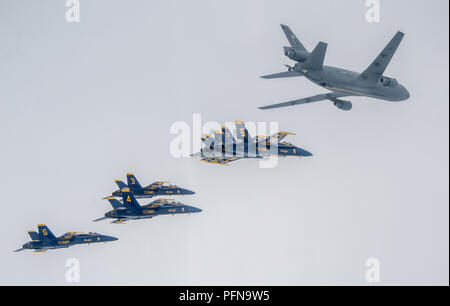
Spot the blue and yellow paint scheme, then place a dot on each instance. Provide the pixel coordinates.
(155, 189)
(44, 239)
(223, 148)
(130, 209)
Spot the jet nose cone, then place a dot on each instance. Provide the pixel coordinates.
(304, 153)
(187, 192)
(110, 238)
(195, 209)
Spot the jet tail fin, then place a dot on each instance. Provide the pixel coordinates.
(121, 184)
(132, 181)
(208, 140)
(293, 40)
(227, 136)
(33, 235)
(218, 137)
(129, 201)
(316, 58)
(45, 233)
(114, 202)
(241, 131)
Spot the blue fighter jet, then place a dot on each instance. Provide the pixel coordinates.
(155, 189)
(130, 209)
(222, 148)
(44, 239)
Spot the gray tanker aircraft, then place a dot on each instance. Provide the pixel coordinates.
(343, 83)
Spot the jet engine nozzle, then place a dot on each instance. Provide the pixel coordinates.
(389, 82)
(343, 105)
(290, 53)
(295, 54)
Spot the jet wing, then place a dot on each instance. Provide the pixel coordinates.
(375, 71)
(219, 160)
(99, 219)
(286, 74)
(316, 98)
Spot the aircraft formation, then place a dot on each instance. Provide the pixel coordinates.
(125, 210)
(222, 147)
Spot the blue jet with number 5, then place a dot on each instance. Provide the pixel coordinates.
(44, 239)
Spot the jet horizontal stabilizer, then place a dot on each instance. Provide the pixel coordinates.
(99, 219)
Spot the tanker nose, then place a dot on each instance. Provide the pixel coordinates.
(403, 93)
(406, 94)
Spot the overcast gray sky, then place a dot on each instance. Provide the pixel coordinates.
(83, 104)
